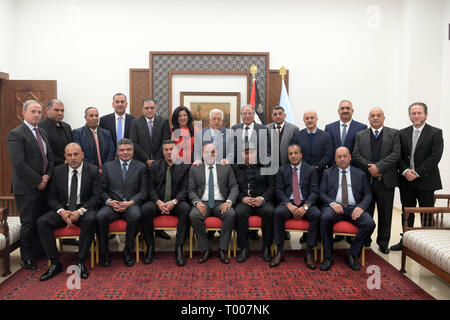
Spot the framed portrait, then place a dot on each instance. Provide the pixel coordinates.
(201, 103)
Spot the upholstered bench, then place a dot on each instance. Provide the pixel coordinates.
(9, 238)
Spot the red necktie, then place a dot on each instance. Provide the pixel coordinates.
(41, 147)
(94, 132)
(295, 188)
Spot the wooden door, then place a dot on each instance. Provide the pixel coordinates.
(13, 95)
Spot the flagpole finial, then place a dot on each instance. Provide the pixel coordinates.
(282, 72)
(253, 71)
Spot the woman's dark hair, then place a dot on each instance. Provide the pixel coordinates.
(176, 125)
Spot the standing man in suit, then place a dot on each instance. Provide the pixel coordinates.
(167, 190)
(96, 143)
(346, 195)
(213, 191)
(124, 183)
(422, 146)
(284, 130)
(118, 122)
(297, 189)
(148, 133)
(256, 193)
(32, 164)
(377, 151)
(216, 134)
(73, 198)
(59, 132)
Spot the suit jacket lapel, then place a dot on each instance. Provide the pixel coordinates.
(65, 183)
(422, 136)
(130, 170)
(84, 178)
(31, 135)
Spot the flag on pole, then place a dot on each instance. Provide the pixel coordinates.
(284, 102)
(254, 101)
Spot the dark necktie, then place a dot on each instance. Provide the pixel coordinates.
(279, 129)
(41, 148)
(211, 188)
(344, 189)
(413, 148)
(295, 188)
(124, 170)
(168, 190)
(73, 191)
(376, 133)
(310, 140)
(344, 134)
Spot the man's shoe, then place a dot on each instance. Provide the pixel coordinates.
(254, 235)
(338, 238)
(224, 256)
(243, 255)
(384, 249)
(310, 261)
(28, 264)
(204, 257)
(326, 264)
(179, 257)
(277, 259)
(368, 243)
(287, 235)
(352, 262)
(128, 258)
(84, 274)
(53, 270)
(266, 254)
(105, 261)
(397, 247)
(304, 238)
(162, 234)
(148, 258)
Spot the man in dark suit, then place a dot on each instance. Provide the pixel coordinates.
(59, 132)
(96, 143)
(422, 146)
(346, 195)
(216, 134)
(73, 197)
(256, 193)
(124, 183)
(167, 192)
(212, 191)
(148, 133)
(377, 151)
(297, 189)
(32, 164)
(118, 123)
(284, 131)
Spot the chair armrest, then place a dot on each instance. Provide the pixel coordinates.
(4, 228)
(427, 213)
(443, 196)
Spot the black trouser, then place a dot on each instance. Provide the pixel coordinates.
(151, 210)
(410, 195)
(52, 220)
(384, 199)
(243, 212)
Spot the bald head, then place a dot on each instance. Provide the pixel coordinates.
(376, 118)
(342, 157)
(74, 155)
(310, 120)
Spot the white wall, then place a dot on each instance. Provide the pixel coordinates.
(385, 53)
(7, 35)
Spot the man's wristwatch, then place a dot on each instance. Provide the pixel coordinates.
(175, 201)
(80, 211)
(306, 207)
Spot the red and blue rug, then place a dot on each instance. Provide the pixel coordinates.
(252, 280)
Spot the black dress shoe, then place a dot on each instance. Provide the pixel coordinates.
(397, 247)
(179, 257)
(384, 249)
(224, 256)
(148, 258)
(105, 262)
(243, 255)
(310, 261)
(53, 270)
(287, 235)
(128, 258)
(84, 274)
(338, 238)
(368, 243)
(266, 254)
(28, 264)
(326, 264)
(304, 238)
(162, 234)
(254, 235)
(352, 262)
(277, 259)
(204, 257)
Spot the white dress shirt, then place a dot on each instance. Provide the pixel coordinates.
(351, 199)
(69, 185)
(217, 194)
(34, 134)
(298, 176)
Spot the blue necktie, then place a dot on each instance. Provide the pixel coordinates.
(211, 188)
(344, 134)
(124, 170)
(376, 133)
(119, 129)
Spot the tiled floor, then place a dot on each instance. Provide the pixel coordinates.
(432, 284)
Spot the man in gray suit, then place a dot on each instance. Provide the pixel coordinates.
(377, 151)
(124, 183)
(213, 190)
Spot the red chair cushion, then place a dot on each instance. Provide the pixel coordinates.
(73, 231)
(213, 222)
(345, 227)
(165, 221)
(255, 222)
(293, 224)
(118, 226)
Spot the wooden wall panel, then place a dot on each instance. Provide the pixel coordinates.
(139, 89)
(275, 90)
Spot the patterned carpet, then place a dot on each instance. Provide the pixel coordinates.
(253, 280)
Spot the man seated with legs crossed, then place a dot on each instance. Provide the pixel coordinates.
(73, 196)
(124, 183)
(297, 189)
(346, 195)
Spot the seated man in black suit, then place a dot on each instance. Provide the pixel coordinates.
(346, 195)
(124, 183)
(167, 192)
(73, 197)
(297, 189)
(255, 198)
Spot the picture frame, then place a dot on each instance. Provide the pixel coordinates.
(201, 103)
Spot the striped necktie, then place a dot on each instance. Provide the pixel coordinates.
(41, 148)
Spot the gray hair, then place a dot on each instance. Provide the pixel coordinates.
(28, 102)
(89, 108)
(125, 141)
(216, 111)
(248, 106)
(348, 101)
(52, 102)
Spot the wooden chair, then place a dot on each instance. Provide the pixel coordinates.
(211, 224)
(10, 230)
